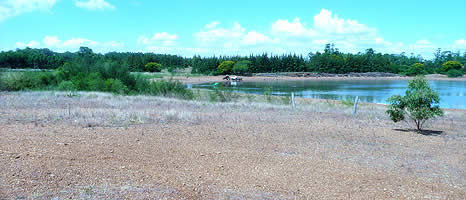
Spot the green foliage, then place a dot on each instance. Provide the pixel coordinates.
(115, 86)
(415, 70)
(419, 104)
(153, 67)
(453, 73)
(220, 95)
(95, 81)
(330, 60)
(451, 65)
(66, 86)
(225, 67)
(168, 88)
(347, 102)
(17, 81)
(241, 67)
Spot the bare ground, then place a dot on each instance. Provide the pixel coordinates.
(100, 146)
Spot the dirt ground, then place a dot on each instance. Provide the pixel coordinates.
(100, 146)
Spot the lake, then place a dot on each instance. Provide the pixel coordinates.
(452, 93)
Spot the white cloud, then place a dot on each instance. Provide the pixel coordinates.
(234, 39)
(293, 28)
(217, 34)
(11, 8)
(253, 38)
(347, 34)
(51, 41)
(212, 25)
(163, 38)
(95, 5)
(422, 45)
(78, 42)
(330, 24)
(460, 45)
(73, 44)
(31, 44)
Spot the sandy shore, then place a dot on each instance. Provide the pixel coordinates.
(99, 146)
(212, 79)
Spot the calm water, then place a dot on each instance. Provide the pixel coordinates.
(452, 93)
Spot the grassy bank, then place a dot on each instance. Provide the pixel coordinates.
(111, 79)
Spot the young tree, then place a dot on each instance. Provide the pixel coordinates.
(419, 104)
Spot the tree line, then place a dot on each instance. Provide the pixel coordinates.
(330, 60)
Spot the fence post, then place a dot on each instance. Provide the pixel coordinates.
(355, 105)
(293, 104)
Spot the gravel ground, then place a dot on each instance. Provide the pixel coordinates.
(100, 146)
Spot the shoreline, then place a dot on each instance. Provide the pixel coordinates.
(214, 79)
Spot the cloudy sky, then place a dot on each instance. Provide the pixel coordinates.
(212, 27)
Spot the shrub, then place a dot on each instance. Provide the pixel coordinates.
(225, 67)
(416, 69)
(16, 81)
(80, 81)
(220, 95)
(396, 69)
(166, 88)
(420, 103)
(48, 79)
(454, 73)
(153, 67)
(96, 83)
(115, 86)
(66, 86)
(450, 65)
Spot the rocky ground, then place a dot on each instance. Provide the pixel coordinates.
(100, 146)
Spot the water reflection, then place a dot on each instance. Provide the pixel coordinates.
(452, 93)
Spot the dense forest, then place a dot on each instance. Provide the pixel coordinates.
(330, 60)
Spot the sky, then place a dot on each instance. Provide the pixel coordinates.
(240, 27)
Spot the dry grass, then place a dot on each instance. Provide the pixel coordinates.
(97, 145)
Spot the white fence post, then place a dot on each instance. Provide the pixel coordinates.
(293, 104)
(355, 105)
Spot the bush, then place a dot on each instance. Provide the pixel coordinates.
(415, 70)
(168, 88)
(115, 86)
(66, 86)
(16, 81)
(225, 67)
(450, 65)
(420, 103)
(153, 67)
(95, 82)
(453, 73)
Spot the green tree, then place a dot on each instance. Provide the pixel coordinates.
(450, 65)
(453, 73)
(153, 67)
(225, 67)
(241, 67)
(416, 69)
(419, 104)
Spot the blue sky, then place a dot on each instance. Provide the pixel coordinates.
(233, 27)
